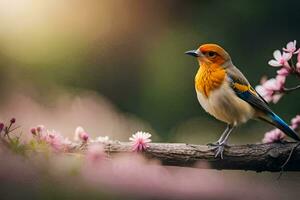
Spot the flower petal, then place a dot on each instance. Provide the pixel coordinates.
(277, 55)
(274, 63)
(287, 56)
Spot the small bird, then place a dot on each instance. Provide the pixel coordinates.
(224, 92)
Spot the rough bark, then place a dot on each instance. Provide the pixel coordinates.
(255, 157)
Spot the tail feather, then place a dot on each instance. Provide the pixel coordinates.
(279, 123)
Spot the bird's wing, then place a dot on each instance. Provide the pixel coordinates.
(245, 91)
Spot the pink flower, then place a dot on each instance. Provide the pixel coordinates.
(81, 134)
(95, 153)
(270, 90)
(298, 62)
(291, 47)
(54, 139)
(284, 71)
(40, 128)
(266, 94)
(140, 141)
(1, 127)
(33, 131)
(274, 135)
(280, 81)
(295, 122)
(280, 59)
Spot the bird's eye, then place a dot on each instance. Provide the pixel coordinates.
(211, 54)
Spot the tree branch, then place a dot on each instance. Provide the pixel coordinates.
(255, 157)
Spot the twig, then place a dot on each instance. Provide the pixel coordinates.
(291, 89)
(287, 160)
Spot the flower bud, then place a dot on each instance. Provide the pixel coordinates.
(13, 120)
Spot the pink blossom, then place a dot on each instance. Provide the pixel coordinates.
(140, 141)
(295, 122)
(54, 139)
(33, 131)
(291, 47)
(81, 134)
(40, 128)
(298, 62)
(284, 71)
(274, 135)
(1, 127)
(266, 94)
(280, 81)
(280, 59)
(270, 89)
(95, 153)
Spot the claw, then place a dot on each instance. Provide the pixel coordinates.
(219, 150)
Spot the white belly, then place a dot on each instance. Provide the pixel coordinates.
(224, 105)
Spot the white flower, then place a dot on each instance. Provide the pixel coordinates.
(280, 59)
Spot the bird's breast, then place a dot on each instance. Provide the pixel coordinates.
(224, 105)
(209, 78)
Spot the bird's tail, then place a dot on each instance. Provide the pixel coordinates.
(276, 121)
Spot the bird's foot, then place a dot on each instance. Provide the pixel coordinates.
(218, 148)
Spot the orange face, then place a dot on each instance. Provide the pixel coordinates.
(211, 74)
(212, 54)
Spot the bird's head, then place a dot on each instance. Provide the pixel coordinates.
(210, 54)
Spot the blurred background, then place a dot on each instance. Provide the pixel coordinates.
(115, 67)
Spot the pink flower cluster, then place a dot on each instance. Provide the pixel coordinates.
(54, 139)
(274, 135)
(296, 122)
(272, 90)
(277, 135)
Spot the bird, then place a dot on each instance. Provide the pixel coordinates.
(225, 93)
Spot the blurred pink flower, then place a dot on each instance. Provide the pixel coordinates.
(266, 94)
(280, 81)
(13, 120)
(140, 141)
(291, 47)
(54, 139)
(298, 62)
(40, 128)
(284, 71)
(295, 122)
(274, 135)
(81, 134)
(33, 131)
(1, 127)
(280, 59)
(270, 89)
(95, 153)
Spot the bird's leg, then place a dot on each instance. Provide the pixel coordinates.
(219, 147)
(217, 143)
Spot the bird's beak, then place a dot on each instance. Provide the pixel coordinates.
(195, 53)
